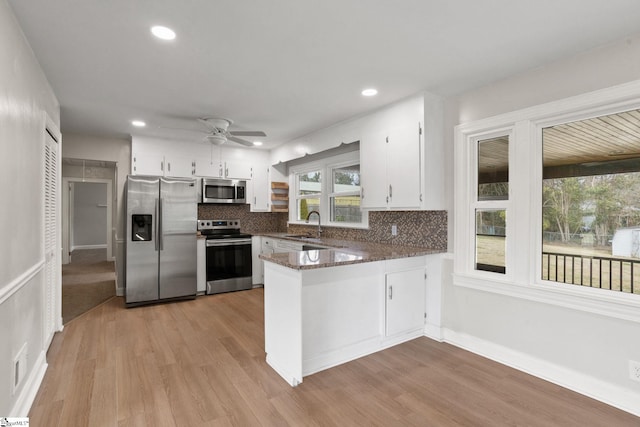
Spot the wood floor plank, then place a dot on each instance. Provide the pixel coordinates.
(202, 363)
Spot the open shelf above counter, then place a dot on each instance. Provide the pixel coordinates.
(279, 197)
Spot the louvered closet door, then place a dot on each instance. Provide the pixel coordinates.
(51, 243)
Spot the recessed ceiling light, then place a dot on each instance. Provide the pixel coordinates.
(138, 123)
(369, 92)
(163, 33)
(257, 143)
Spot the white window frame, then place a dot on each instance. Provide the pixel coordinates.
(326, 167)
(524, 216)
(476, 204)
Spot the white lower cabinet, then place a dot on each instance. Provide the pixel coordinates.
(319, 318)
(257, 265)
(201, 254)
(405, 301)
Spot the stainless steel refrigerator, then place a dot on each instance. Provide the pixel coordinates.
(162, 217)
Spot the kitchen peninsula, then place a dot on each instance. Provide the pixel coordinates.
(325, 307)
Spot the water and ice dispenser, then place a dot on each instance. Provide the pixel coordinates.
(141, 228)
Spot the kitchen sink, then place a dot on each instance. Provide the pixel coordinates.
(312, 247)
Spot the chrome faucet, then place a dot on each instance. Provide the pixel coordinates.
(317, 213)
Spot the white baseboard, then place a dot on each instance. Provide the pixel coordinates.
(32, 385)
(623, 398)
(434, 332)
(119, 292)
(284, 373)
(80, 247)
(345, 354)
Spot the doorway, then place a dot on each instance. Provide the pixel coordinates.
(88, 205)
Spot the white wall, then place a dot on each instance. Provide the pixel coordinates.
(587, 352)
(89, 214)
(111, 150)
(25, 96)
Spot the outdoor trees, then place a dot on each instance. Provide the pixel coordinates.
(599, 204)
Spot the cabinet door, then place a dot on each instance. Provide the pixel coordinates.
(259, 189)
(373, 171)
(147, 164)
(403, 167)
(201, 253)
(405, 296)
(208, 168)
(178, 166)
(237, 170)
(257, 263)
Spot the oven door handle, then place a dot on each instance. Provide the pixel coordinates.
(227, 242)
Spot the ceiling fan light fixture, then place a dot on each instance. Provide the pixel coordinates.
(163, 33)
(217, 139)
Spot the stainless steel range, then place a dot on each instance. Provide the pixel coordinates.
(228, 256)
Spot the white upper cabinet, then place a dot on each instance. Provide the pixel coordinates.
(154, 156)
(150, 156)
(237, 170)
(147, 164)
(403, 166)
(208, 168)
(390, 168)
(390, 158)
(401, 156)
(373, 170)
(157, 164)
(258, 196)
(179, 166)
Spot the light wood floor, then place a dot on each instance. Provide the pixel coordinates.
(201, 362)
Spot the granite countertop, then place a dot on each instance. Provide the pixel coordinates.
(341, 252)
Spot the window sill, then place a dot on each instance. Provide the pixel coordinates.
(591, 300)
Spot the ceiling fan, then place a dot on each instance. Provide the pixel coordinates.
(217, 131)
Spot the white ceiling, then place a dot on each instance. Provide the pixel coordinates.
(289, 67)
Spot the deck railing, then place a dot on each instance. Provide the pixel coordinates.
(616, 274)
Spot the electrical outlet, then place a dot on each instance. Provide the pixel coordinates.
(634, 370)
(394, 230)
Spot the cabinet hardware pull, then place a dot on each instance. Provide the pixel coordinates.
(390, 191)
(169, 167)
(390, 292)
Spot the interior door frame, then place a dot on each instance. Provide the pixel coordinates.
(67, 213)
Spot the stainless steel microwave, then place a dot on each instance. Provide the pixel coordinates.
(224, 191)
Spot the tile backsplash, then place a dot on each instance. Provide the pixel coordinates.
(250, 222)
(420, 228)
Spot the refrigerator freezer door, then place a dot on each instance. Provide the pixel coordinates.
(178, 259)
(142, 256)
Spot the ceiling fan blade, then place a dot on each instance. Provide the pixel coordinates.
(240, 141)
(247, 133)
